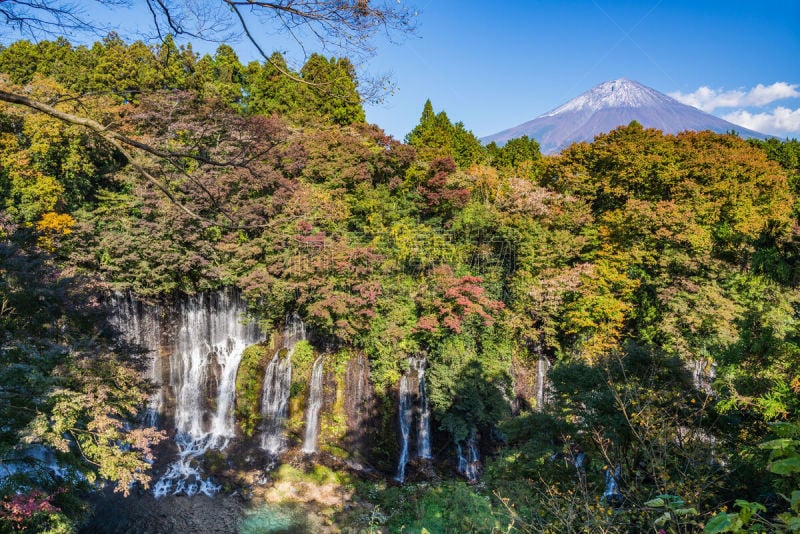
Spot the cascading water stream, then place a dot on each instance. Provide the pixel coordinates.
(541, 381)
(424, 421)
(314, 405)
(210, 340)
(277, 387)
(275, 402)
(611, 493)
(413, 399)
(140, 325)
(405, 416)
(469, 465)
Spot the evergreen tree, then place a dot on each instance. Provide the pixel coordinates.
(270, 90)
(333, 86)
(436, 137)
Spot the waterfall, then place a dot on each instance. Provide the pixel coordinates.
(314, 404)
(139, 324)
(211, 339)
(277, 387)
(405, 416)
(424, 421)
(703, 374)
(413, 399)
(358, 403)
(275, 402)
(611, 493)
(542, 367)
(469, 465)
(209, 344)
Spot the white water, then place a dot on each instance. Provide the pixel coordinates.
(210, 340)
(424, 421)
(413, 402)
(275, 402)
(140, 325)
(405, 416)
(541, 381)
(611, 492)
(183, 476)
(469, 465)
(35, 461)
(277, 387)
(314, 405)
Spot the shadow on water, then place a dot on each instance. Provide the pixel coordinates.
(141, 513)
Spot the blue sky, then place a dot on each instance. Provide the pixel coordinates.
(493, 65)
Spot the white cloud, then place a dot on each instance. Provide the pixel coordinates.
(778, 122)
(709, 99)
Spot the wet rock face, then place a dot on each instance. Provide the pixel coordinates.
(194, 346)
(530, 384)
(213, 374)
(358, 404)
(524, 386)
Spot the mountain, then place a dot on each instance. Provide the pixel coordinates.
(609, 105)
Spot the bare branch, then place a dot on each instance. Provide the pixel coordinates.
(119, 141)
(51, 18)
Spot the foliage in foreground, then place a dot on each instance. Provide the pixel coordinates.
(68, 395)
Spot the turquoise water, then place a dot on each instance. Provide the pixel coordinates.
(275, 519)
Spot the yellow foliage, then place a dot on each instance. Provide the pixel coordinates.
(486, 182)
(55, 223)
(599, 313)
(51, 226)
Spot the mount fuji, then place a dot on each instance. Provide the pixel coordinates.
(612, 104)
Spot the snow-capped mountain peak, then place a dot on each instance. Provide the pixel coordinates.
(621, 93)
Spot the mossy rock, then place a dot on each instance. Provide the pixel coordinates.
(303, 357)
(213, 462)
(249, 383)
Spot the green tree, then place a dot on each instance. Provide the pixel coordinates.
(436, 137)
(333, 85)
(269, 89)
